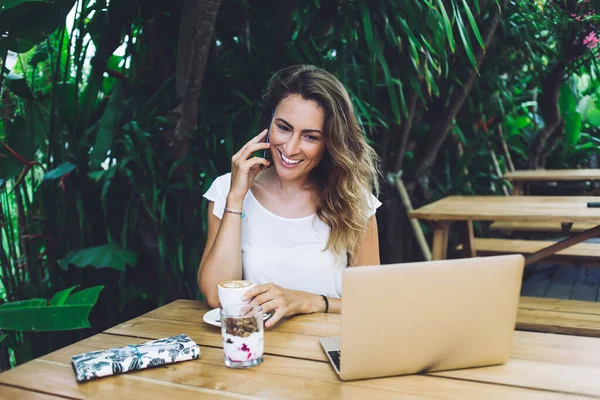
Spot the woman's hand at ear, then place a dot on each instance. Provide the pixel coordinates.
(245, 167)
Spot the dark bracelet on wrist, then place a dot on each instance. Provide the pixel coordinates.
(326, 302)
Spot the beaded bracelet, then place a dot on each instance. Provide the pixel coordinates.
(240, 213)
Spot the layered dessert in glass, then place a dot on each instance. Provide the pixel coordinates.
(243, 335)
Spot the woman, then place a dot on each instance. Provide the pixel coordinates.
(294, 227)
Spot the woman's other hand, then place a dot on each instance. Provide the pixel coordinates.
(284, 302)
(244, 169)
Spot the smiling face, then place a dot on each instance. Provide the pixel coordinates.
(297, 139)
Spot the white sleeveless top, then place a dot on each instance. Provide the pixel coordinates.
(285, 251)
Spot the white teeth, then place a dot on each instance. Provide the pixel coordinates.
(289, 160)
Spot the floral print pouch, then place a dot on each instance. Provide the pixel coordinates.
(101, 363)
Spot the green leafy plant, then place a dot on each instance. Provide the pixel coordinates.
(65, 311)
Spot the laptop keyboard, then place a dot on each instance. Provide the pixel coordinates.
(335, 357)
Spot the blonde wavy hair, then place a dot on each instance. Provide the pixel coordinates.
(349, 170)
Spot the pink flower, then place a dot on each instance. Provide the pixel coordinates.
(591, 41)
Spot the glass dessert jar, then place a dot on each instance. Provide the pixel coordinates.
(243, 335)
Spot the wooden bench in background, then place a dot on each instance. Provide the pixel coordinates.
(571, 317)
(584, 253)
(538, 226)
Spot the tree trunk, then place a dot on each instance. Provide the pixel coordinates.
(550, 112)
(195, 37)
(442, 128)
(551, 143)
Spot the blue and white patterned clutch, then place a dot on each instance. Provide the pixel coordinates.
(101, 363)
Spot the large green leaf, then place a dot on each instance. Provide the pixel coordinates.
(25, 23)
(24, 304)
(585, 105)
(471, 19)
(593, 117)
(64, 312)
(59, 171)
(66, 96)
(108, 256)
(61, 297)
(390, 86)
(464, 35)
(107, 126)
(572, 127)
(447, 25)
(364, 10)
(566, 100)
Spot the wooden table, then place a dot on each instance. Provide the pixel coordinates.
(542, 366)
(564, 210)
(571, 317)
(518, 178)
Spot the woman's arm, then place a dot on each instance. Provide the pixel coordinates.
(222, 258)
(367, 252)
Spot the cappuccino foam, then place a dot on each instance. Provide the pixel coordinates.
(235, 284)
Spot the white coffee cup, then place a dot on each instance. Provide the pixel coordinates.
(231, 292)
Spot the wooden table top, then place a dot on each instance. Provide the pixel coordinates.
(561, 209)
(542, 366)
(552, 175)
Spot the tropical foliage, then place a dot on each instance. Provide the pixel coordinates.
(117, 115)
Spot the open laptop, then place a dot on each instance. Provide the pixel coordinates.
(429, 316)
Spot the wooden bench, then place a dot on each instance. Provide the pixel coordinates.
(581, 252)
(534, 226)
(571, 317)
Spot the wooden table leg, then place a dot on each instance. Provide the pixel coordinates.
(563, 244)
(517, 187)
(565, 227)
(441, 230)
(468, 239)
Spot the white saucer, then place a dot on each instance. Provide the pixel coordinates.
(213, 317)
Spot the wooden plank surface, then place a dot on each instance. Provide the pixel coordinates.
(277, 343)
(298, 371)
(559, 322)
(53, 377)
(553, 175)
(529, 318)
(557, 209)
(541, 366)
(575, 380)
(559, 361)
(539, 226)
(317, 324)
(535, 314)
(277, 377)
(9, 392)
(569, 317)
(559, 305)
(587, 252)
